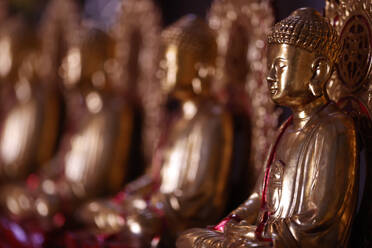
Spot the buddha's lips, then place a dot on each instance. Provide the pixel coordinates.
(273, 91)
(273, 88)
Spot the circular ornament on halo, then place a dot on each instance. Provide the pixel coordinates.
(353, 21)
(351, 88)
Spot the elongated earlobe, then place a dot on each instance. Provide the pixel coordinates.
(321, 74)
(315, 89)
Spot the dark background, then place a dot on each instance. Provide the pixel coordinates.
(174, 9)
(171, 9)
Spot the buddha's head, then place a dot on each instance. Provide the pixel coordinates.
(92, 63)
(302, 51)
(189, 52)
(19, 45)
(91, 68)
(20, 60)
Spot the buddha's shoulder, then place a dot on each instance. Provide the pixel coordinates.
(215, 109)
(334, 119)
(214, 115)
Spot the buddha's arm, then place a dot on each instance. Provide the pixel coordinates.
(324, 215)
(249, 210)
(16, 150)
(209, 167)
(214, 237)
(81, 179)
(140, 187)
(104, 166)
(108, 214)
(202, 237)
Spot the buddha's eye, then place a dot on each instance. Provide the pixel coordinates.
(280, 65)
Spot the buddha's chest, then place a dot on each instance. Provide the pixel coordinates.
(284, 172)
(187, 154)
(87, 153)
(183, 138)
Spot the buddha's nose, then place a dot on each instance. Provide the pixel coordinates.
(271, 76)
(271, 79)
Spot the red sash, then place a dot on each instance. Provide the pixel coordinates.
(266, 214)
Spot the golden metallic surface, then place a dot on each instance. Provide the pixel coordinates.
(187, 68)
(307, 193)
(92, 159)
(29, 108)
(353, 21)
(241, 62)
(186, 184)
(307, 34)
(16, 138)
(60, 32)
(350, 86)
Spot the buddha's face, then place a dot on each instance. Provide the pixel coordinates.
(178, 71)
(290, 71)
(87, 69)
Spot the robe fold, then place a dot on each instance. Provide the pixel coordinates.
(312, 190)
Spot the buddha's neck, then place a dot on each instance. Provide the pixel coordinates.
(303, 114)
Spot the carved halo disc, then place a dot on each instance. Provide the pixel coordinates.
(355, 62)
(352, 21)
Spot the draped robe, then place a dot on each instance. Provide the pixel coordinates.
(308, 195)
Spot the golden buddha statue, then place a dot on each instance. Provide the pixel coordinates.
(307, 193)
(350, 87)
(185, 185)
(91, 161)
(29, 104)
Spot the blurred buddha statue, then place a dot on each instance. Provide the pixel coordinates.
(91, 160)
(29, 111)
(307, 194)
(185, 185)
(241, 62)
(103, 85)
(351, 88)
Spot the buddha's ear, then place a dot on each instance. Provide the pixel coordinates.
(321, 68)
